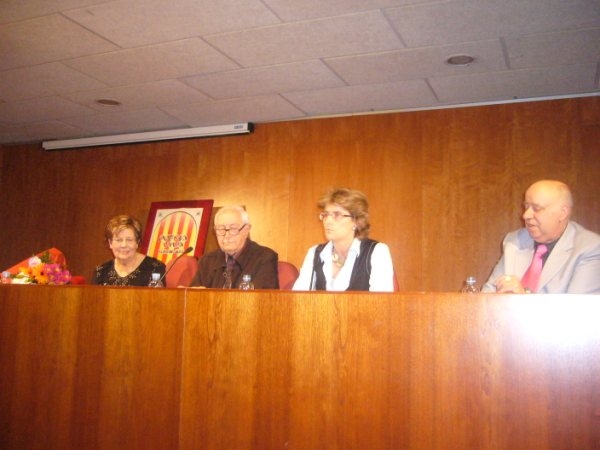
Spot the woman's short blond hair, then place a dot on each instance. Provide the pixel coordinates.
(355, 202)
(120, 223)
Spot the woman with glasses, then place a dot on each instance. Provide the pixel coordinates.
(129, 267)
(348, 260)
(237, 255)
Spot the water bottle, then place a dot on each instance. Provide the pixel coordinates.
(246, 284)
(6, 278)
(155, 280)
(470, 286)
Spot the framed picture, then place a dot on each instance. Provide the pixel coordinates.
(174, 226)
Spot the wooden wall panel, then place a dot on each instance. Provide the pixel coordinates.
(444, 186)
(466, 165)
(89, 367)
(586, 183)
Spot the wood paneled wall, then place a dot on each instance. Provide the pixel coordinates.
(444, 185)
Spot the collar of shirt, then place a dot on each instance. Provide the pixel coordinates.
(327, 252)
(236, 256)
(342, 279)
(549, 246)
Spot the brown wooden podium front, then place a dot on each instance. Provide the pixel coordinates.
(85, 367)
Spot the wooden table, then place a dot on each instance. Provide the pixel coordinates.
(85, 367)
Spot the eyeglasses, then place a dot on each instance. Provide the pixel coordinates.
(232, 231)
(119, 241)
(335, 215)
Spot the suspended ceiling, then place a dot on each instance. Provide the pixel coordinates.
(170, 64)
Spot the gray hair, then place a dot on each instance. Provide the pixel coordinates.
(240, 209)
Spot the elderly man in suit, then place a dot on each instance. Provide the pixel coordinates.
(237, 255)
(566, 254)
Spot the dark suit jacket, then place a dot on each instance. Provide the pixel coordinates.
(573, 267)
(257, 261)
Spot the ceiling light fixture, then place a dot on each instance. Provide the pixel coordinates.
(162, 135)
(460, 60)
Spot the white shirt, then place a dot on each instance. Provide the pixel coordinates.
(382, 269)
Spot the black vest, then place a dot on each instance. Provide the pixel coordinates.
(361, 272)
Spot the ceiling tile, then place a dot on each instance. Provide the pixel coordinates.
(473, 20)
(418, 63)
(52, 130)
(266, 80)
(366, 98)
(255, 109)
(291, 10)
(46, 39)
(13, 133)
(42, 81)
(139, 96)
(157, 62)
(514, 84)
(554, 49)
(14, 10)
(131, 23)
(126, 122)
(35, 110)
(225, 61)
(298, 41)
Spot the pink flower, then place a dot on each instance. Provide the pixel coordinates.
(34, 261)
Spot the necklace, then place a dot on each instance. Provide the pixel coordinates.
(124, 270)
(337, 259)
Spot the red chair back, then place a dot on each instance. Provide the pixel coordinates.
(78, 279)
(287, 275)
(181, 271)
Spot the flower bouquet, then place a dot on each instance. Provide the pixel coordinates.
(42, 270)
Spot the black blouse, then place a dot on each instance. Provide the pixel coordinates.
(106, 275)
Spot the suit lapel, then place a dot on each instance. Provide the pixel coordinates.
(522, 254)
(559, 256)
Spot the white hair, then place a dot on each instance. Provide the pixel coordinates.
(240, 209)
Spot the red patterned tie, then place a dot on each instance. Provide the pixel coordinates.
(532, 276)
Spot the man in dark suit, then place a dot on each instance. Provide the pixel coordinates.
(237, 255)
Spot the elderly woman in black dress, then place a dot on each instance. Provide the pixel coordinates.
(129, 267)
